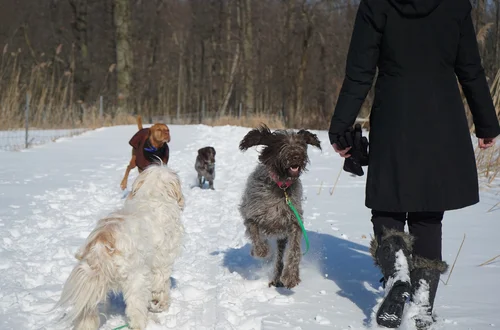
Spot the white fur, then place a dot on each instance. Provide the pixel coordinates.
(131, 250)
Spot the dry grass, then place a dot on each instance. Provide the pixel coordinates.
(310, 121)
(488, 162)
(49, 86)
(50, 96)
(495, 92)
(273, 122)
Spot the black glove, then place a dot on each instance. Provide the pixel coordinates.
(359, 150)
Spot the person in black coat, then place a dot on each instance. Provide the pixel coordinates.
(421, 158)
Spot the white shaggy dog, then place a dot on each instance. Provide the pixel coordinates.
(133, 251)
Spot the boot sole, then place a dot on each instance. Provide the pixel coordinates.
(390, 312)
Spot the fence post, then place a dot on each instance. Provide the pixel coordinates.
(178, 112)
(101, 110)
(27, 118)
(202, 111)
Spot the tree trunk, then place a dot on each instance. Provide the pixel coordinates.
(232, 75)
(124, 55)
(201, 82)
(182, 79)
(286, 42)
(323, 90)
(299, 80)
(226, 69)
(232, 66)
(180, 84)
(248, 57)
(153, 91)
(82, 62)
(497, 35)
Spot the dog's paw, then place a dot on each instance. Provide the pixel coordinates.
(136, 326)
(260, 251)
(157, 304)
(276, 283)
(156, 307)
(123, 185)
(290, 279)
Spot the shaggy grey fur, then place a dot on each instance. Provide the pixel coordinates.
(408, 239)
(417, 261)
(205, 166)
(263, 206)
(420, 262)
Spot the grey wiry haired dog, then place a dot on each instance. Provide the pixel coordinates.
(263, 207)
(205, 166)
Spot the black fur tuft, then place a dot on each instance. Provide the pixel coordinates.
(310, 138)
(257, 136)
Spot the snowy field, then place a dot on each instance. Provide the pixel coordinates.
(52, 195)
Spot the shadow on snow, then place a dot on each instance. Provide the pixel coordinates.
(348, 264)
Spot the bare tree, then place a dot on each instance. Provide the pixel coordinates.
(81, 68)
(124, 57)
(248, 55)
(189, 59)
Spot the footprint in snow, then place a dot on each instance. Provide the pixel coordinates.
(322, 320)
(282, 300)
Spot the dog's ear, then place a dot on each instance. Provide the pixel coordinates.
(168, 128)
(258, 136)
(310, 138)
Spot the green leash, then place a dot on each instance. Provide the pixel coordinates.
(301, 224)
(122, 327)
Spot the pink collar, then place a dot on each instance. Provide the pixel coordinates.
(281, 184)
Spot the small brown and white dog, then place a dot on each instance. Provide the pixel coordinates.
(205, 166)
(132, 251)
(148, 144)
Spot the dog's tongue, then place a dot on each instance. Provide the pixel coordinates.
(294, 169)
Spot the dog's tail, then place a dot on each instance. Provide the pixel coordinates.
(83, 290)
(88, 283)
(139, 122)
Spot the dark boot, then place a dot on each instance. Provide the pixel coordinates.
(391, 253)
(425, 280)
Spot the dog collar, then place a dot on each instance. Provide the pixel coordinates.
(282, 184)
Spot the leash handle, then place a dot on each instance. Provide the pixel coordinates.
(301, 224)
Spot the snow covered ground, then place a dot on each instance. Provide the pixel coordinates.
(52, 195)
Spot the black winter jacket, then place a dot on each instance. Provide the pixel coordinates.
(421, 153)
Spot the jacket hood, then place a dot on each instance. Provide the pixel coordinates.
(415, 8)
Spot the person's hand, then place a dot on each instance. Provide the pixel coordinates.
(352, 146)
(486, 143)
(342, 152)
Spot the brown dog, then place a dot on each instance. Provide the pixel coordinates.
(148, 144)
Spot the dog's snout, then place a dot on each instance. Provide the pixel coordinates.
(296, 157)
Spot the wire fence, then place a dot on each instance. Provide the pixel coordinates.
(16, 139)
(39, 122)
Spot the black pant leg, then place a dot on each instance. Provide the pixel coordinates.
(426, 228)
(387, 220)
